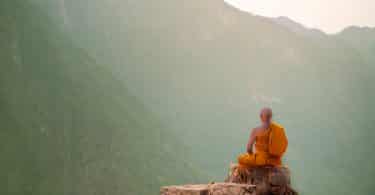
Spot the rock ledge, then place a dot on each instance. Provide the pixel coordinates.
(209, 189)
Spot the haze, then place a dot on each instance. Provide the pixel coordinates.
(121, 97)
(329, 16)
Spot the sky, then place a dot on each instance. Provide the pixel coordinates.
(331, 16)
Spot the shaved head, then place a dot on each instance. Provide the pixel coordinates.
(266, 116)
(266, 110)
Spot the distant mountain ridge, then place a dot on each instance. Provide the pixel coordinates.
(297, 27)
(315, 32)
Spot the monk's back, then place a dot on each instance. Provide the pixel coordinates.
(261, 140)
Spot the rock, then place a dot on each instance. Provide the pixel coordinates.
(232, 189)
(241, 181)
(268, 180)
(200, 189)
(210, 189)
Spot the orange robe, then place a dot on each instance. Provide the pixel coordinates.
(261, 157)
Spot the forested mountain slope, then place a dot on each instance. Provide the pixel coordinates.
(68, 126)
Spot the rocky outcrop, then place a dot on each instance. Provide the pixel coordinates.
(268, 180)
(210, 189)
(241, 181)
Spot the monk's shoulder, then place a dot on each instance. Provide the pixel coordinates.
(257, 129)
(277, 125)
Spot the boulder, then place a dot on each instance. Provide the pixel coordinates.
(268, 180)
(210, 189)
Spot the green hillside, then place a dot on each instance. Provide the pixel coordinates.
(68, 126)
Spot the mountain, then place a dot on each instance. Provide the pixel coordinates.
(362, 39)
(358, 34)
(68, 126)
(205, 69)
(297, 27)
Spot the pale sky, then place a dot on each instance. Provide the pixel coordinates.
(330, 16)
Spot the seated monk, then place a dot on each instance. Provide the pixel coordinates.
(270, 143)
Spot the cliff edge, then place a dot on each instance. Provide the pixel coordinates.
(210, 189)
(241, 181)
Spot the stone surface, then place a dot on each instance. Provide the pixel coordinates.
(268, 180)
(241, 181)
(209, 189)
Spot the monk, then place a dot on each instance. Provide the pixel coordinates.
(260, 138)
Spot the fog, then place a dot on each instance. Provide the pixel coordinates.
(121, 97)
